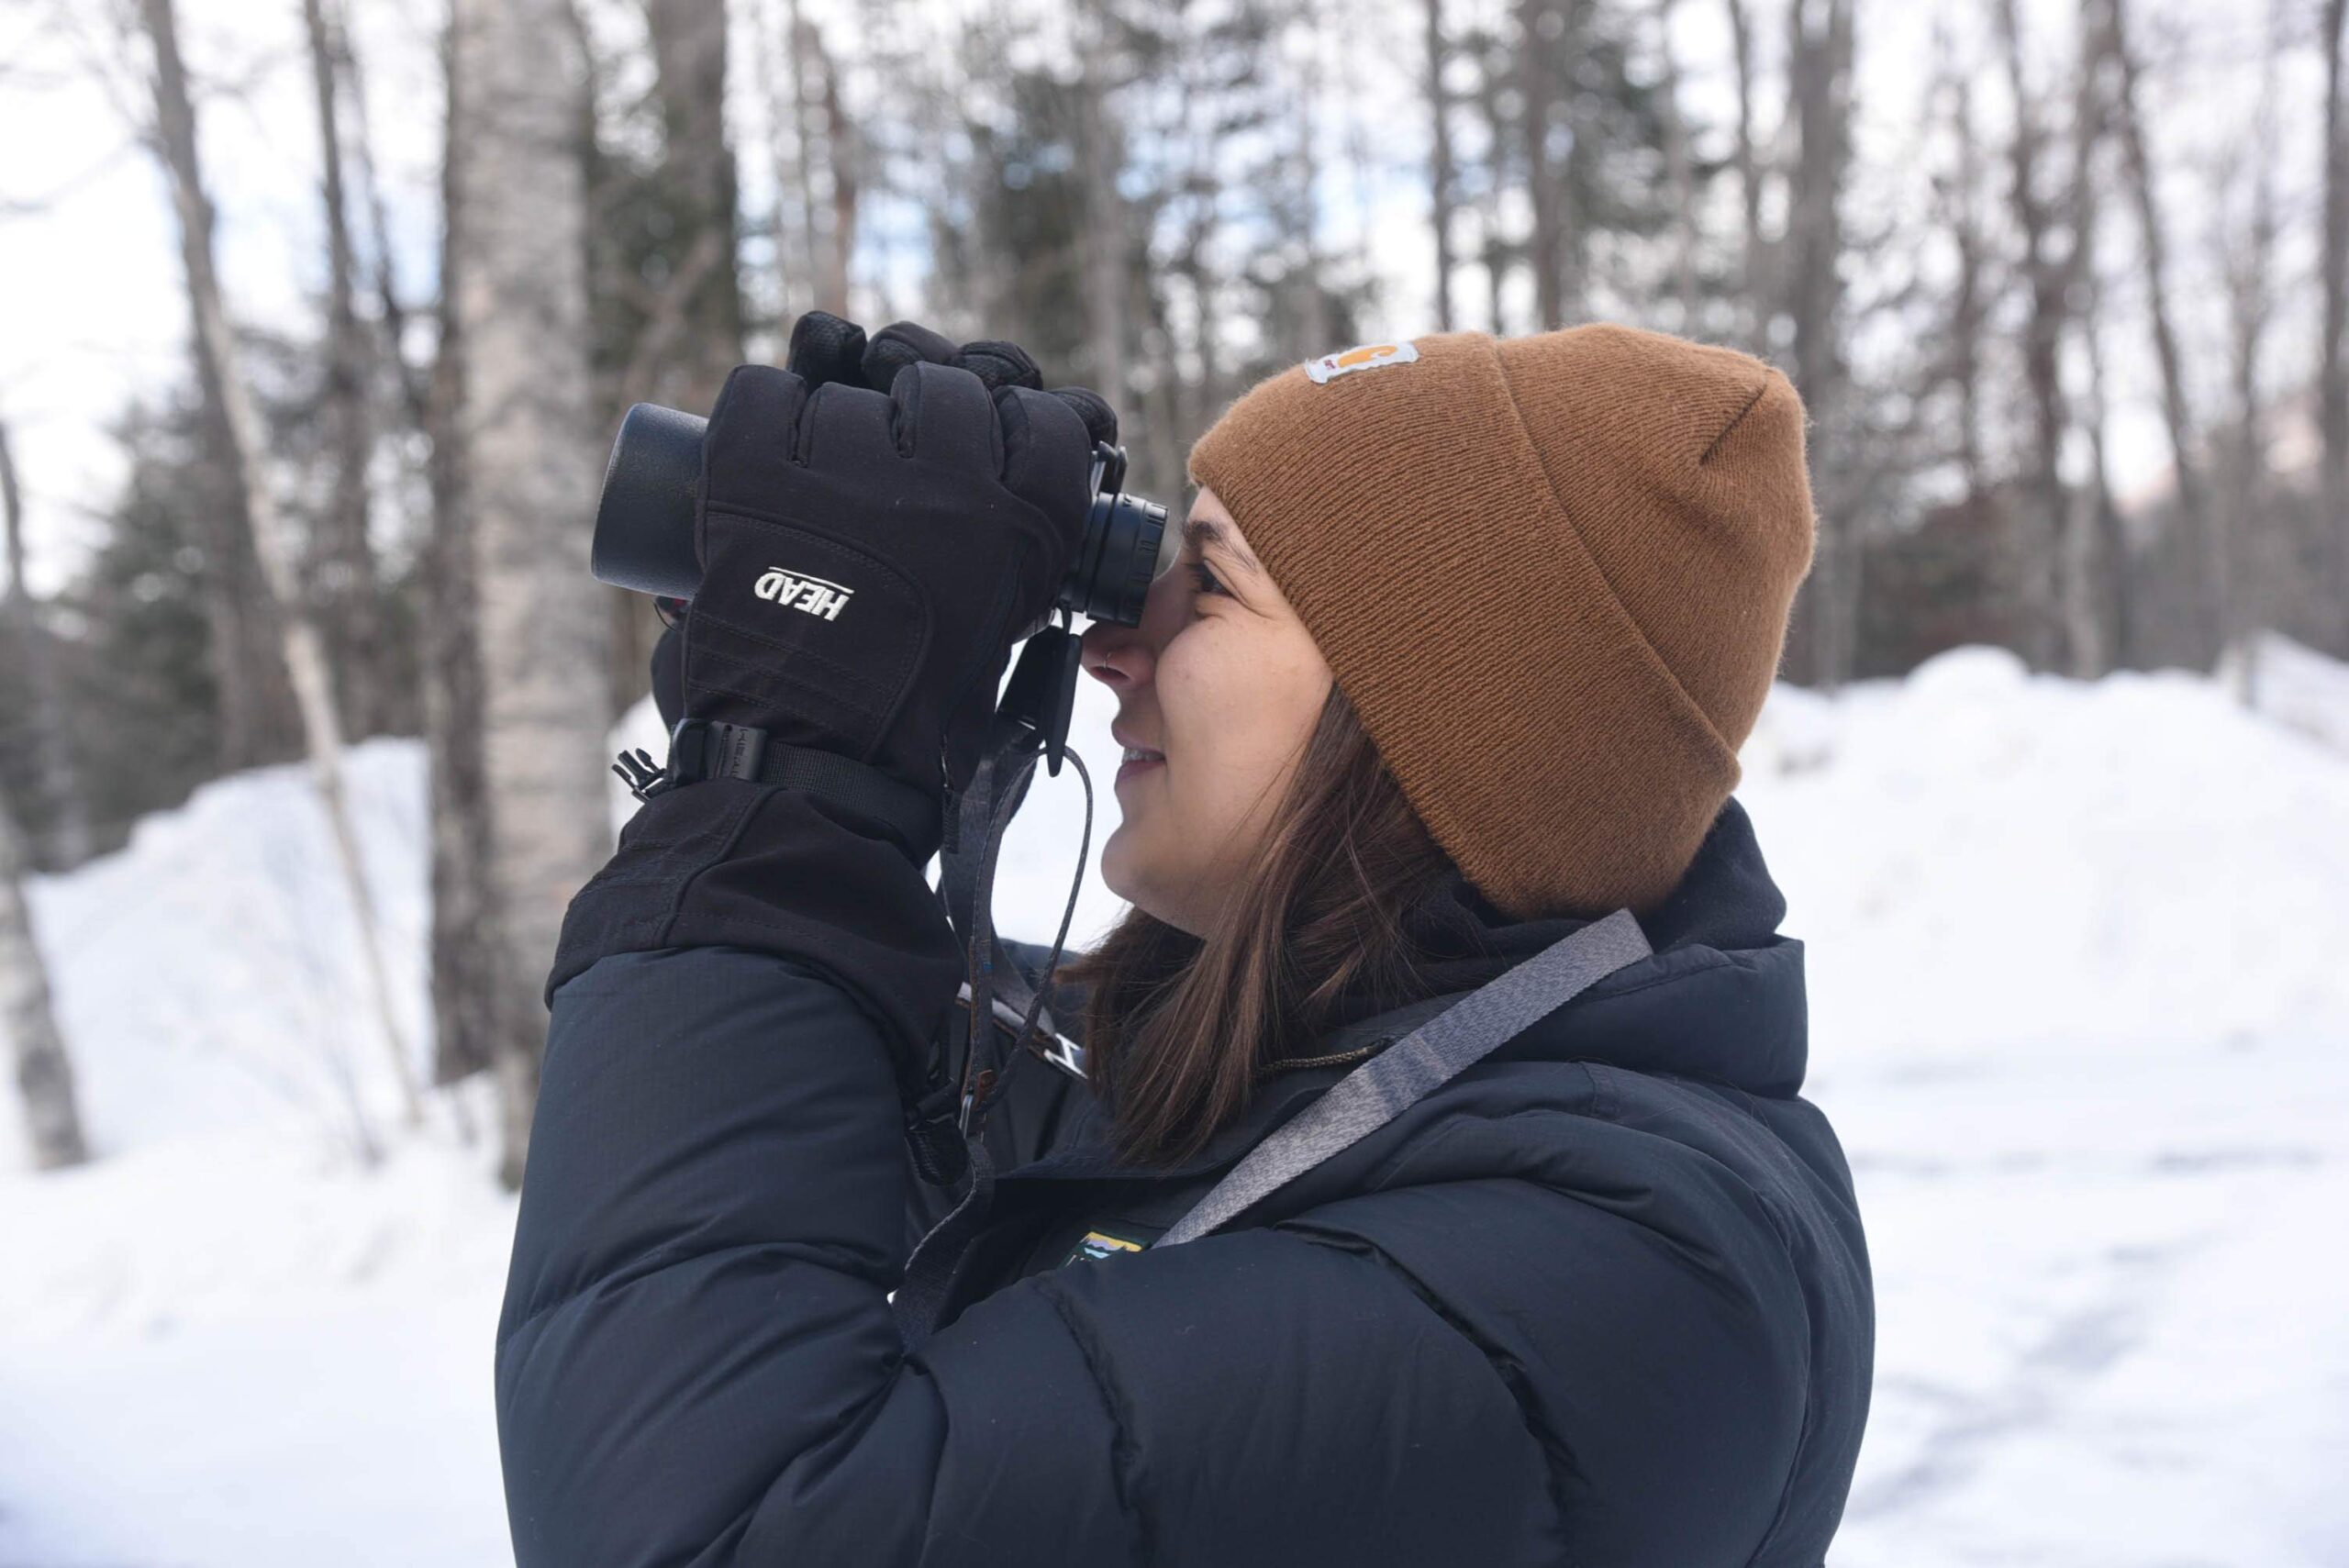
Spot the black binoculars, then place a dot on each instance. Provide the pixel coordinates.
(644, 525)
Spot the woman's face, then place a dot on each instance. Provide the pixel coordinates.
(1222, 681)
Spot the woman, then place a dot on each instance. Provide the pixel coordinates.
(1463, 642)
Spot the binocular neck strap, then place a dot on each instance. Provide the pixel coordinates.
(950, 1141)
(1407, 1072)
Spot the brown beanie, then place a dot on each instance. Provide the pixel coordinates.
(1552, 576)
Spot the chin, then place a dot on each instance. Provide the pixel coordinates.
(1113, 869)
(1117, 876)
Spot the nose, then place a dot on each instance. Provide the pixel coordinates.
(1122, 657)
(1115, 655)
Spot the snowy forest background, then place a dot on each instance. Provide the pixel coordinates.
(315, 317)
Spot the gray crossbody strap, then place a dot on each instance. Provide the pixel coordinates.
(1390, 1083)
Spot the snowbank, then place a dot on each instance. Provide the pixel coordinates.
(2081, 1015)
(210, 974)
(1984, 861)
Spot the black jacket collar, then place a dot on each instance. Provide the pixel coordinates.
(1721, 999)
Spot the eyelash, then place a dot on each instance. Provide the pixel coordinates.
(1203, 580)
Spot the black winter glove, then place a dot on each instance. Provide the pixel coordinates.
(826, 349)
(867, 557)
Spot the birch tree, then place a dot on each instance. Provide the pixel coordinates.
(44, 1073)
(175, 134)
(529, 461)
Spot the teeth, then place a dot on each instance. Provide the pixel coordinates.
(1137, 754)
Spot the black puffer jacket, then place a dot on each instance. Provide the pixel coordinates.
(1601, 1299)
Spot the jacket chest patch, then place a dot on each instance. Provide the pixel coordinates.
(1095, 1245)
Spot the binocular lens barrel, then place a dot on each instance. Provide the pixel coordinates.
(644, 525)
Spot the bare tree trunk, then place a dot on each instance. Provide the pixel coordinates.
(1441, 200)
(1103, 261)
(1820, 86)
(1820, 93)
(698, 169)
(414, 393)
(44, 1073)
(2332, 353)
(305, 652)
(1964, 359)
(2193, 505)
(470, 993)
(1758, 288)
(1309, 313)
(807, 49)
(349, 603)
(245, 646)
(64, 814)
(1494, 246)
(1203, 182)
(2095, 534)
(2250, 268)
(2045, 582)
(246, 681)
(2102, 515)
(1676, 171)
(840, 162)
(1539, 23)
(528, 465)
(780, 97)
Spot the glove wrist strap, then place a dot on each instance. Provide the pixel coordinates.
(709, 749)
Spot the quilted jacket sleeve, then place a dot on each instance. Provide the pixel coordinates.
(697, 1361)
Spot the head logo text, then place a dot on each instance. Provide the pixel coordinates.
(812, 595)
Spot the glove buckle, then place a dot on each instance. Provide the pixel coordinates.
(636, 770)
(698, 749)
(709, 749)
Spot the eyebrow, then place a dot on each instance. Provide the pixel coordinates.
(1200, 532)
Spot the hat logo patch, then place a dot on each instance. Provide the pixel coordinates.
(1362, 357)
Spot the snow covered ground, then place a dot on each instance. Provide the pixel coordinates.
(2080, 1012)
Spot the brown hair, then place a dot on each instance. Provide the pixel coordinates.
(1178, 1028)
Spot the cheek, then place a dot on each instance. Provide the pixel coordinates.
(1203, 695)
(1238, 701)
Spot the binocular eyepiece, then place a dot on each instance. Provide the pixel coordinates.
(644, 525)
